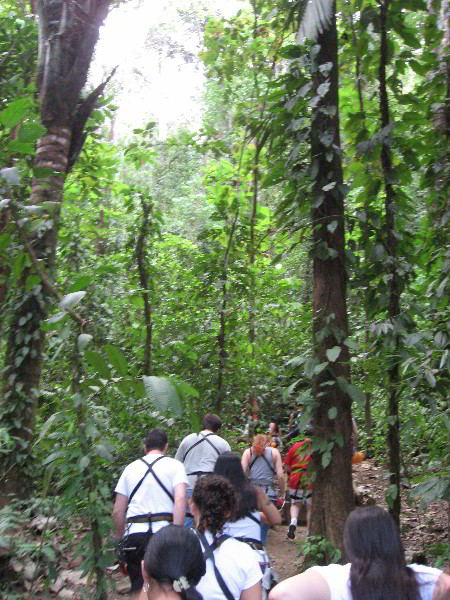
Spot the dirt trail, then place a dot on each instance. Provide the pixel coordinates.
(284, 552)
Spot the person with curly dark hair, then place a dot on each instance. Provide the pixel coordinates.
(232, 570)
(173, 565)
(377, 570)
(253, 508)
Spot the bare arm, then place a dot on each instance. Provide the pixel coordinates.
(270, 514)
(279, 470)
(118, 515)
(442, 588)
(251, 593)
(245, 461)
(307, 586)
(180, 452)
(179, 504)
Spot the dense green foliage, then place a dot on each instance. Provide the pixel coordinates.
(227, 254)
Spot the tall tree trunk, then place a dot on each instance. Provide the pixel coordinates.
(144, 280)
(332, 494)
(394, 289)
(68, 32)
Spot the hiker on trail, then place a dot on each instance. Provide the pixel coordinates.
(173, 565)
(232, 569)
(263, 465)
(377, 571)
(149, 495)
(274, 435)
(297, 461)
(253, 507)
(199, 452)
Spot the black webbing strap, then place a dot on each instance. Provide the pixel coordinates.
(204, 438)
(261, 456)
(158, 480)
(255, 544)
(150, 470)
(253, 518)
(200, 473)
(209, 553)
(151, 518)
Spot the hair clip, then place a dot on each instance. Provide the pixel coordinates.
(181, 584)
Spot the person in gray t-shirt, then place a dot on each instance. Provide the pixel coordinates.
(199, 452)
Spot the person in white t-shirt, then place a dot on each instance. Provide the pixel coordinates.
(377, 571)
(150, 494)
(232, 569)
(199, 452)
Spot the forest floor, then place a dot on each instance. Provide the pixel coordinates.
(422, 533)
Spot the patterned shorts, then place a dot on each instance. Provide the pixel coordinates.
(300, 495)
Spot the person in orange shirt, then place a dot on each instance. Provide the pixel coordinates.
(297, 461)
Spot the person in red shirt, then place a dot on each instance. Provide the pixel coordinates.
(297, 461)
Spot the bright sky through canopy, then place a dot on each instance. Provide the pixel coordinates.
(159, 76)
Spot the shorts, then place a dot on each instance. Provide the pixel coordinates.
(300, 495)
(134, 558)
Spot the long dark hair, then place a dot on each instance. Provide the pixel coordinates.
(175, 552)
(373, 545)
(216, 500)
(229, 466)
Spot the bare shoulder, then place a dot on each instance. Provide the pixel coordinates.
(442, 589)
(309, 585)
(276, 453)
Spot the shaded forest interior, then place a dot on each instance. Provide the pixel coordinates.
(285, 246)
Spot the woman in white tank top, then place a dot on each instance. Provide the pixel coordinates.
(377, 571)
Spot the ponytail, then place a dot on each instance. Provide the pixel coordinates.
(259, 444)
(174, 553)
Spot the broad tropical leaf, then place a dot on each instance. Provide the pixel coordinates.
(162, 394)
(316, 18)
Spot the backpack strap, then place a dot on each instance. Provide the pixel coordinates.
(263, 456)
(255, 544)
(209, 553)
(204, 438)
(253, 518)
(150, 470)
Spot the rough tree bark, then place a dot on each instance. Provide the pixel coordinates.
(332, 494)
(394, 284)
(68, 32)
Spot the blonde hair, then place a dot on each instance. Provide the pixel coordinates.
(259, 444)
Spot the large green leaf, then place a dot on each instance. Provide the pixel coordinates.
(117, 359)
(162, 394)
(98, 363)
(333, 353)
(15, 112)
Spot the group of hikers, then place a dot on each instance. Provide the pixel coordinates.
(195, 526)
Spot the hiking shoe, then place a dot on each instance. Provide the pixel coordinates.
(291, 532)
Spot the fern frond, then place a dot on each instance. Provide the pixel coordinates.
(316, 18)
